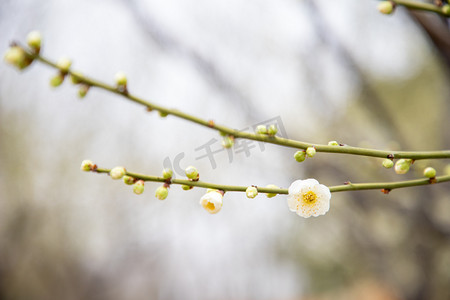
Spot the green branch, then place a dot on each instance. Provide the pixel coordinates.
(386, 186)
(344, 149)
(422, 6)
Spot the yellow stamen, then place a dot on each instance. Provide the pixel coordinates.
(210, 206)
(309, 197)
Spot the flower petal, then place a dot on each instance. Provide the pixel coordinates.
(296, 187)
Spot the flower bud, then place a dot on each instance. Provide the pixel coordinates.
(34, 40)
(87, 165)
(117, 172)
(446, 9)
(272, 130)
(128, 180)
(386, 7)
(261, 129)
(311, 151)
(163, 114)
(186, 187)
(227, 142)
(138, 187)
(64, 64)
(212, 202)
(300, 155)
(161, 192)
(429, 172)
(75, 77)
(271, 186)
(84, 88)
(251, 192)
(167, 173)
(333, 143)
(192, 173)
(121, 78)
(447, 169)
(56, 80)
(388, 163)
(402, 166)
(17, 57)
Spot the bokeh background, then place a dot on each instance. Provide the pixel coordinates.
(324, 70)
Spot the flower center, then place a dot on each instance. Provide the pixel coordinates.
(210, 206)
(309, 197)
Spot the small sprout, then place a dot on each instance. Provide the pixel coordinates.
(192, 173)
(333, 143)
(446, 9)
(121, 78)
(272, 130)
(64, 64)
(271, 186)
(163, 114)
(87, 165)
(300, 155)
(34, 39)
(402, 166)
(17, 57)
(138, 187)
(186, 187)
(161, 192)
(386, 7)
(228, 142)
(57, 80)
(128, 180)
(261, 129)
(251, 192)
(167, 173)
(212, 201)
(117, 173)
(75, 77)
(388, 163)
(84, 88)
(311, 151)
(429, 172)
(385, 191)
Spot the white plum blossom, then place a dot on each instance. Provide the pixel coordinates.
(309, 198)
(212, 201)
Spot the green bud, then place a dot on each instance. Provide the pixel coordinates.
(429, 172)
(57, 80)
(121, 78)
(34, 40)
(272, 130)
(163, 114)
(446, 9)
(64, 64)
(388, 163)
(223, 133)
(161, 193)
(227, 142)
(333, 143)
(87, 165)
(128, 180)
(402, 166)
(311, 151)
(192, 173)
(75, 77)
(300, 156)
(84, 88)
(17, 57)
(186, 187)
(261, 129)
(167, 173)
(117, 172)
(271, 186)
(251, 192)
(386, 7)
(138, 187)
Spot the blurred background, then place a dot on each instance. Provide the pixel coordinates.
(322, 70)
